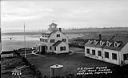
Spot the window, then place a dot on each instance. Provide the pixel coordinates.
(114, 56)
(125, 56)
(55, 48)
(42, 40)
(46, 40)
(52, 40)
(45, 35)
(88, 51)
(93, 52)
(50, 48)
(58, 35)
(64, 40)
(99, 53)
(62, 48)
(106, 55)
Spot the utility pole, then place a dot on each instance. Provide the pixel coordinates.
(0, 42)
(24, 41)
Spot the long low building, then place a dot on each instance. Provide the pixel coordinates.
(113, 51)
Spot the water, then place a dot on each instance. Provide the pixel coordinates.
(10, 42)
(17, 41)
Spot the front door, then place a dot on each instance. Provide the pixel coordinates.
(43, 49)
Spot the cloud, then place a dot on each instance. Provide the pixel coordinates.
(66, 13)
(12, 12)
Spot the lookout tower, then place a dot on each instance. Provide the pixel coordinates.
(53, 27)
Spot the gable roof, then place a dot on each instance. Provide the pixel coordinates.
(55, 32)
(57, 43)
(52, 32)
(49, 33)
(53, 24)
(119, 39)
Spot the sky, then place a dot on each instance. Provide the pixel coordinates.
(37, 15)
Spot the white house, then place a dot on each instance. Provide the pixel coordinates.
(53, 41)
(113, 51)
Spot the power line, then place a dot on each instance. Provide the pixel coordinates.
(24, 41)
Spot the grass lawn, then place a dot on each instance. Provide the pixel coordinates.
(75, 49)
(9, 64)
(70, 62)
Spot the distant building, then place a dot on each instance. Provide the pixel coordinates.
(5, 54)
(113, 51)
(53, 41)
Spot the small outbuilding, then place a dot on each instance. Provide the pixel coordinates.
(56, 70)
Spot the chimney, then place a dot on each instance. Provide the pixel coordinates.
(60, 29)
(100, 37)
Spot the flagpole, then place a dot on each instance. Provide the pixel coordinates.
(24, 41)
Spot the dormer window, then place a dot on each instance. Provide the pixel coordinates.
(64, 40)
(116, 44)
(45, 35)
(52, 41)
(101, 43)
(95, 42)
(90, 41)
(58, 35)
(108, 43)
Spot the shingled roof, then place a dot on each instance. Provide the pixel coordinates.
(49, 33)
(120, 40)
